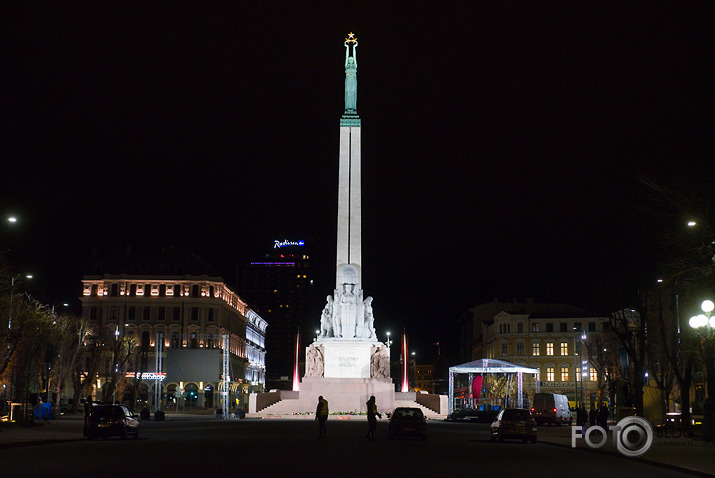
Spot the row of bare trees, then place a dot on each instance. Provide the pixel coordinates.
(651, 333)
(43, 353)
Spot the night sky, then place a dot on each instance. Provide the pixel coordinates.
(501, 143)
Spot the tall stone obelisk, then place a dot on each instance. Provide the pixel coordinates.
(347, 364)
(347, 315)
(349, 250)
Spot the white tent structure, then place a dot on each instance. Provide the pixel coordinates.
(491, 366)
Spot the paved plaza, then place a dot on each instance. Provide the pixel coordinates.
(290, 445)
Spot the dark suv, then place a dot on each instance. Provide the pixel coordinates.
(514, 423)
(112, 420)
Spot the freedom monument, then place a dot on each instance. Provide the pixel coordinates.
(346, 364)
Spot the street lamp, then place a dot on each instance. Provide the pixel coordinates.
(704, 326)
(12, 292)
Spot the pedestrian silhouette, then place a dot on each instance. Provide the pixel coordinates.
(593, 416)
(321, 414)
(603, 417)
(371, 420)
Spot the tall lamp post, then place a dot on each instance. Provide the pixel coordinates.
(9, 327)
(704, 325)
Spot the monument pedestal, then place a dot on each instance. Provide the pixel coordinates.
(347, 394)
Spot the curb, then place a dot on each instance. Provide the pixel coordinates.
(659, 464)
(23, 444)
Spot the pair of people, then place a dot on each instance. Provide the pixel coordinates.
(321, 415)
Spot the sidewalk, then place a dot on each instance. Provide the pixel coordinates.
(678, 453)
(67, 428)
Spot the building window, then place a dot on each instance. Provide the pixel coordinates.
(194, 342)
(550, 374)
(113, 313)
(132, 289)
(564, 348)
(520, 349)
(146, 313)
(504, 350)
(549, 327)
(592, 326)
(577, 347)
(114, 290)
(176, 314)
(592, 375)
(175, 343)
(563, 327)
(564, 374)
(177, 290)
(93, 313)
(162, 290)
(211, 315)
(549, 348)
(210, 341)
(132, 313)
(161, 313)
(535, 349)
(95, 289)
(534, 327)
(520, 328)
(577, 326)
(195, 290)
(194, 314)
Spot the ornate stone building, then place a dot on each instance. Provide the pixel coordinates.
(547, 337)
(186, 318)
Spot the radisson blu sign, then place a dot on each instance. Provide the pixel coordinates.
(277, 244)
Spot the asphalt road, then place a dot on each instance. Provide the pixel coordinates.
(273, 447)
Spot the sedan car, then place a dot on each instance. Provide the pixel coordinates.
(463, 415)
(112, 420)
(514, 423)
(407, 421)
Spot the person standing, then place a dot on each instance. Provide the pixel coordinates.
(371, 420)
(593, 415)
(603, 417)
(321, 415)
(582, 418)
(87, 412)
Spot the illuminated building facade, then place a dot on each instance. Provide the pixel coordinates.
(279, 287)
(186, 318)
(547, 337)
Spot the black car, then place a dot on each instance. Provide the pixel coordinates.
(407, 421)
(514, 423)
(463, 415)
(112, 420)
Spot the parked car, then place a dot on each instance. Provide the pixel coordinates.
(407, 421)
(514, 423)
(551, 408)
(463, 415)
(112, 420)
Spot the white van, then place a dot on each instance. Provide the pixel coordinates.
(551, 408)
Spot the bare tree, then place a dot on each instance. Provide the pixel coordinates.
(630, 328)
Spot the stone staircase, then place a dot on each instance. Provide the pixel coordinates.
(429, 413)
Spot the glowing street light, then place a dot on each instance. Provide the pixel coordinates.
(704, 325)
(692, 223)
(12, 219)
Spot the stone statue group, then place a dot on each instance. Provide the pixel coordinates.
(347, 315)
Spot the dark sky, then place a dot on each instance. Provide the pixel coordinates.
(501, 142)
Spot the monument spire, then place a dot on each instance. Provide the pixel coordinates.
(347, 314)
